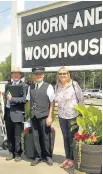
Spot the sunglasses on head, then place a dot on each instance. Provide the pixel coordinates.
(62, 73)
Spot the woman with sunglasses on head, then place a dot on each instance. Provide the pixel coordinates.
(67, 94)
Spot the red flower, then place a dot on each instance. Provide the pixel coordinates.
(26, 130)
(83, 136)
(77, 136)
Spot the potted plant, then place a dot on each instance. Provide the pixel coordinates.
(27, 137)
(87, 143)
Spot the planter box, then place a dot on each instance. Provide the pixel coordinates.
(91, 158)
(29, 146)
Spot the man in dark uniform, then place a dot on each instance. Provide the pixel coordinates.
(14, 115)
(41, 96)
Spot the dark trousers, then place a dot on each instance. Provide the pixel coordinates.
(68, 135)
(14, 131)
(42, 138)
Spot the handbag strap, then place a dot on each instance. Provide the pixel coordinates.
(56, 88)
(75, 92)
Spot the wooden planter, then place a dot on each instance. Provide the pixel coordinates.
(91, 158)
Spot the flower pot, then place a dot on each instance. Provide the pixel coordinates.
(91, 158)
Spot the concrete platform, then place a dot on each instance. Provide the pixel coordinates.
(23, 167)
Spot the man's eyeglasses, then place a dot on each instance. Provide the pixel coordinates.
(62, 73)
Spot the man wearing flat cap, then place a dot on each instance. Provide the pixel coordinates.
(41, 96)
(14, 113)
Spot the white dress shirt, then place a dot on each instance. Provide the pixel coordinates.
(50, 92)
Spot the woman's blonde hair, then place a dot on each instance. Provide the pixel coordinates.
(64, 68)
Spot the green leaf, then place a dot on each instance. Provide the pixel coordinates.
(93, 120)
(74, 127)
(73, 122)
(82, 110)
(95, 111)
(81, 122)
(99, 138)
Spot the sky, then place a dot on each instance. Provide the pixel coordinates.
(5, 24)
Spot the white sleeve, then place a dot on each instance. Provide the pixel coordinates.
(50, 93)
(28, 94)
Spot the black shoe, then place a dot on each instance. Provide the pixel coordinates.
(10, 157)
(17, 159)
(44, 160)
(35, 162)
(49, 161)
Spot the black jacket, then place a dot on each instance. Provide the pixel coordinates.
(17, 104)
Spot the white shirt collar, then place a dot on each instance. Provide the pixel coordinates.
(16, 82)
(39, 84)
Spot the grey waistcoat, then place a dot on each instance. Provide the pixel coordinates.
(39, 101)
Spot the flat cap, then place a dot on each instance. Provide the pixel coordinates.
(39, 69)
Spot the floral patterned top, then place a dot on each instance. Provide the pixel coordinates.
(67, 98)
